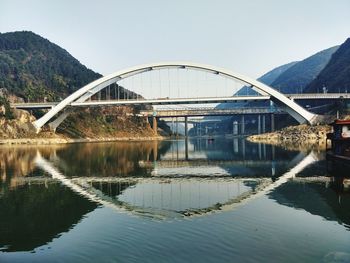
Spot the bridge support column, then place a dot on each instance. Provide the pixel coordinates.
(235, 145)
(243, 149)
(235, 128)
(177, 127)
(54, 124)
(264, 123)
(155, 151)
(108, 96)
(172, 127)
(242, 125)
(186, 127)
(259, 124)
(155, 125)
(272, 122)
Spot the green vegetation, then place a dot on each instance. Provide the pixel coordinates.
(33, 68)
(8, 114)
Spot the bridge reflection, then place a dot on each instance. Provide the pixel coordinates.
(232, 198)
(64, 184)
(225, 157)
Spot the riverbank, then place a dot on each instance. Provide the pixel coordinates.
(299, 136)
(66, 140)
(95, 125)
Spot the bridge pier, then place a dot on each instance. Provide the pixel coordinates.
(235, 145)
(54, 124)
(186, 148)
(259, 124)
(186, 126)
(177, 127)
(154, 124)
(272, 122)
(243, 149)
(155, 151)
(242, 124)
(264, 123)
(235, 128)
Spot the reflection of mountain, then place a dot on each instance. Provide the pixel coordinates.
(17, 162)
(112, 189)
(316, 199)
(108, 159)
(32, 215)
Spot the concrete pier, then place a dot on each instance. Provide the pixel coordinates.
(242, 125)
(154, 124)
(263, 123)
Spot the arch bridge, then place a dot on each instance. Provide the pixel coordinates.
(82, 97)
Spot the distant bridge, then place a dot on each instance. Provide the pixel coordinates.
(205, 162)
(207, 111)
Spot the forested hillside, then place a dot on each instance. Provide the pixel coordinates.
(33, 68)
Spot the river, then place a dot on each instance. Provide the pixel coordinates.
(200, 200)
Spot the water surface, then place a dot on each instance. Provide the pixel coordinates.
(172, 201)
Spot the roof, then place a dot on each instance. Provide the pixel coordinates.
(341, 122)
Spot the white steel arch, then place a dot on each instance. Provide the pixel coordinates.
(84, 93)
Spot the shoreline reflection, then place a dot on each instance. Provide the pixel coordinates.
(56, 187)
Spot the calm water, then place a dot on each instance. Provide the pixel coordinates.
(225, 200)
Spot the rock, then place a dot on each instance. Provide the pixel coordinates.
(23, 116)
(297, 135)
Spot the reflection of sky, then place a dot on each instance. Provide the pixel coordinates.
(295, 222)
(179, 196)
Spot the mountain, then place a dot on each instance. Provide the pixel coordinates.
(336, 75)
(292, 77)
(267, 78)
(298, 76)
(289, 78)
(33, 68)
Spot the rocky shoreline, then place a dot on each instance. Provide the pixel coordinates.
(297, 136)
(19, 130)
(51, 141)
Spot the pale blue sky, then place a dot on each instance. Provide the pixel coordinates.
(250, 37)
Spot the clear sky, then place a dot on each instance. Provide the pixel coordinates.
(246, 36)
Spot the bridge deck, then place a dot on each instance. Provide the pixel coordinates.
(169, 101)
